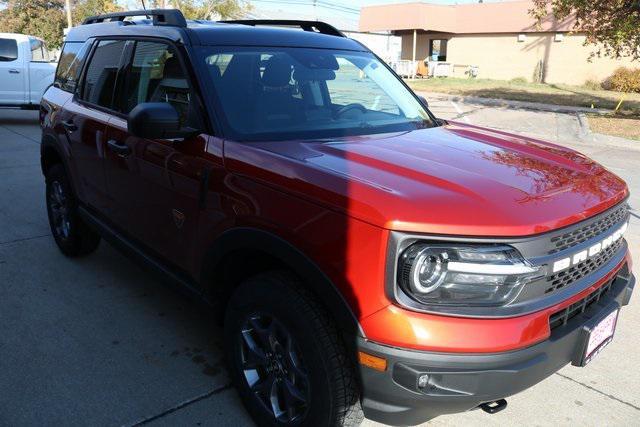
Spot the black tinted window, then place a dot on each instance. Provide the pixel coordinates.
(271, 93)
(71, 60)
(156, 75)
(8, 50)
(100, 78)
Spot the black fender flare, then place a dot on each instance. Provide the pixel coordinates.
(50, 141)
(245, 238)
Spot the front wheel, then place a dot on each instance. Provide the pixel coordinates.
(286, 358)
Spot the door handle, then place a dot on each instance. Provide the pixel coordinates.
(14, 71)
(69, 126)
(119, 149)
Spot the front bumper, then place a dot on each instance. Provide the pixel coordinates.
(460, 382)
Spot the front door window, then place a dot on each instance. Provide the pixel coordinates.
(156, 75)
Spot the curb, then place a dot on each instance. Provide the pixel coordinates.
(585, 135)
(524, 105)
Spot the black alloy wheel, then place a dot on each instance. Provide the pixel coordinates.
(273, 368)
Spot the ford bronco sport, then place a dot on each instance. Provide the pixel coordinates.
(371, 260)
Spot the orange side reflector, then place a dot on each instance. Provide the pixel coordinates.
(373, 362)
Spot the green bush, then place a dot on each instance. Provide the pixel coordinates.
(624, 80)
(518, 80)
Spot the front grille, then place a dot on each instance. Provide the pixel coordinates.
(577, 272)
(582, 234)
(563, 316)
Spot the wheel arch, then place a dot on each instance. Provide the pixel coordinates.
(50, 154)
(267, 251)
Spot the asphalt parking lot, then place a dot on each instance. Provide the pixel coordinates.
(98, 341)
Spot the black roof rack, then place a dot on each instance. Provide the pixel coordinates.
(313, 26)
(168, 17)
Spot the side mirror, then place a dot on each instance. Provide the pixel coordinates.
(424, 101)
(156, 120)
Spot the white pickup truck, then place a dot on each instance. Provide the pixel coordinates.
(27, 69)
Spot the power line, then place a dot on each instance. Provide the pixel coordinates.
(354, 9)
(321, 3)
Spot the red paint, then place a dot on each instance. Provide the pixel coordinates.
(336, 201)
(458, 180)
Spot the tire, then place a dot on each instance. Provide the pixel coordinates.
(72, 235)
(315, 376)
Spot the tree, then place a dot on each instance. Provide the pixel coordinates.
(207, 9)
(612, 25)
(46, 18)
(41, 18)
(83, 9)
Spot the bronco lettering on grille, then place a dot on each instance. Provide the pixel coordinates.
(582, 256)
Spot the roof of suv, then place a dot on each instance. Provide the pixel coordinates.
(211, 33)
(222, 34)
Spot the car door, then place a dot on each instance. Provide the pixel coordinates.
(42, 69)
(85, 120)
(156, 185)
(12, 73)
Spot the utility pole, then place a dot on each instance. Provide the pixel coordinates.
(68, 7)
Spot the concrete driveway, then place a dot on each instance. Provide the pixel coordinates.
(99, 341)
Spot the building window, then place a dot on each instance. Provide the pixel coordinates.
(438, 50)
(522, 38)
(558, 37)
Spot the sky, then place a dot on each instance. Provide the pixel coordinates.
(342, 14)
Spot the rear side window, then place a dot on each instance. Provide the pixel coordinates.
(8, 50)
(71, 60)
(100, 78)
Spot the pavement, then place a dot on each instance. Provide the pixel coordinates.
(99, 341)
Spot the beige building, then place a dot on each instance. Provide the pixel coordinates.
(501, 39)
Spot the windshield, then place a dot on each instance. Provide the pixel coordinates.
(296, 93)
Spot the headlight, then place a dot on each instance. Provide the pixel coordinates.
(463, 275)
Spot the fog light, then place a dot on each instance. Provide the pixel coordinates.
(423, 381)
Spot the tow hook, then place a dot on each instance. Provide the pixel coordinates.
(494, 407)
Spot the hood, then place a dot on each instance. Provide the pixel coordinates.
(456, 179)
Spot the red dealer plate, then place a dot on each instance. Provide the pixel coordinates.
(600, 336)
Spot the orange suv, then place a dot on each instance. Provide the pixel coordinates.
(371, 260)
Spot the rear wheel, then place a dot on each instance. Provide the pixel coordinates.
(286, 358)
(72, 235)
